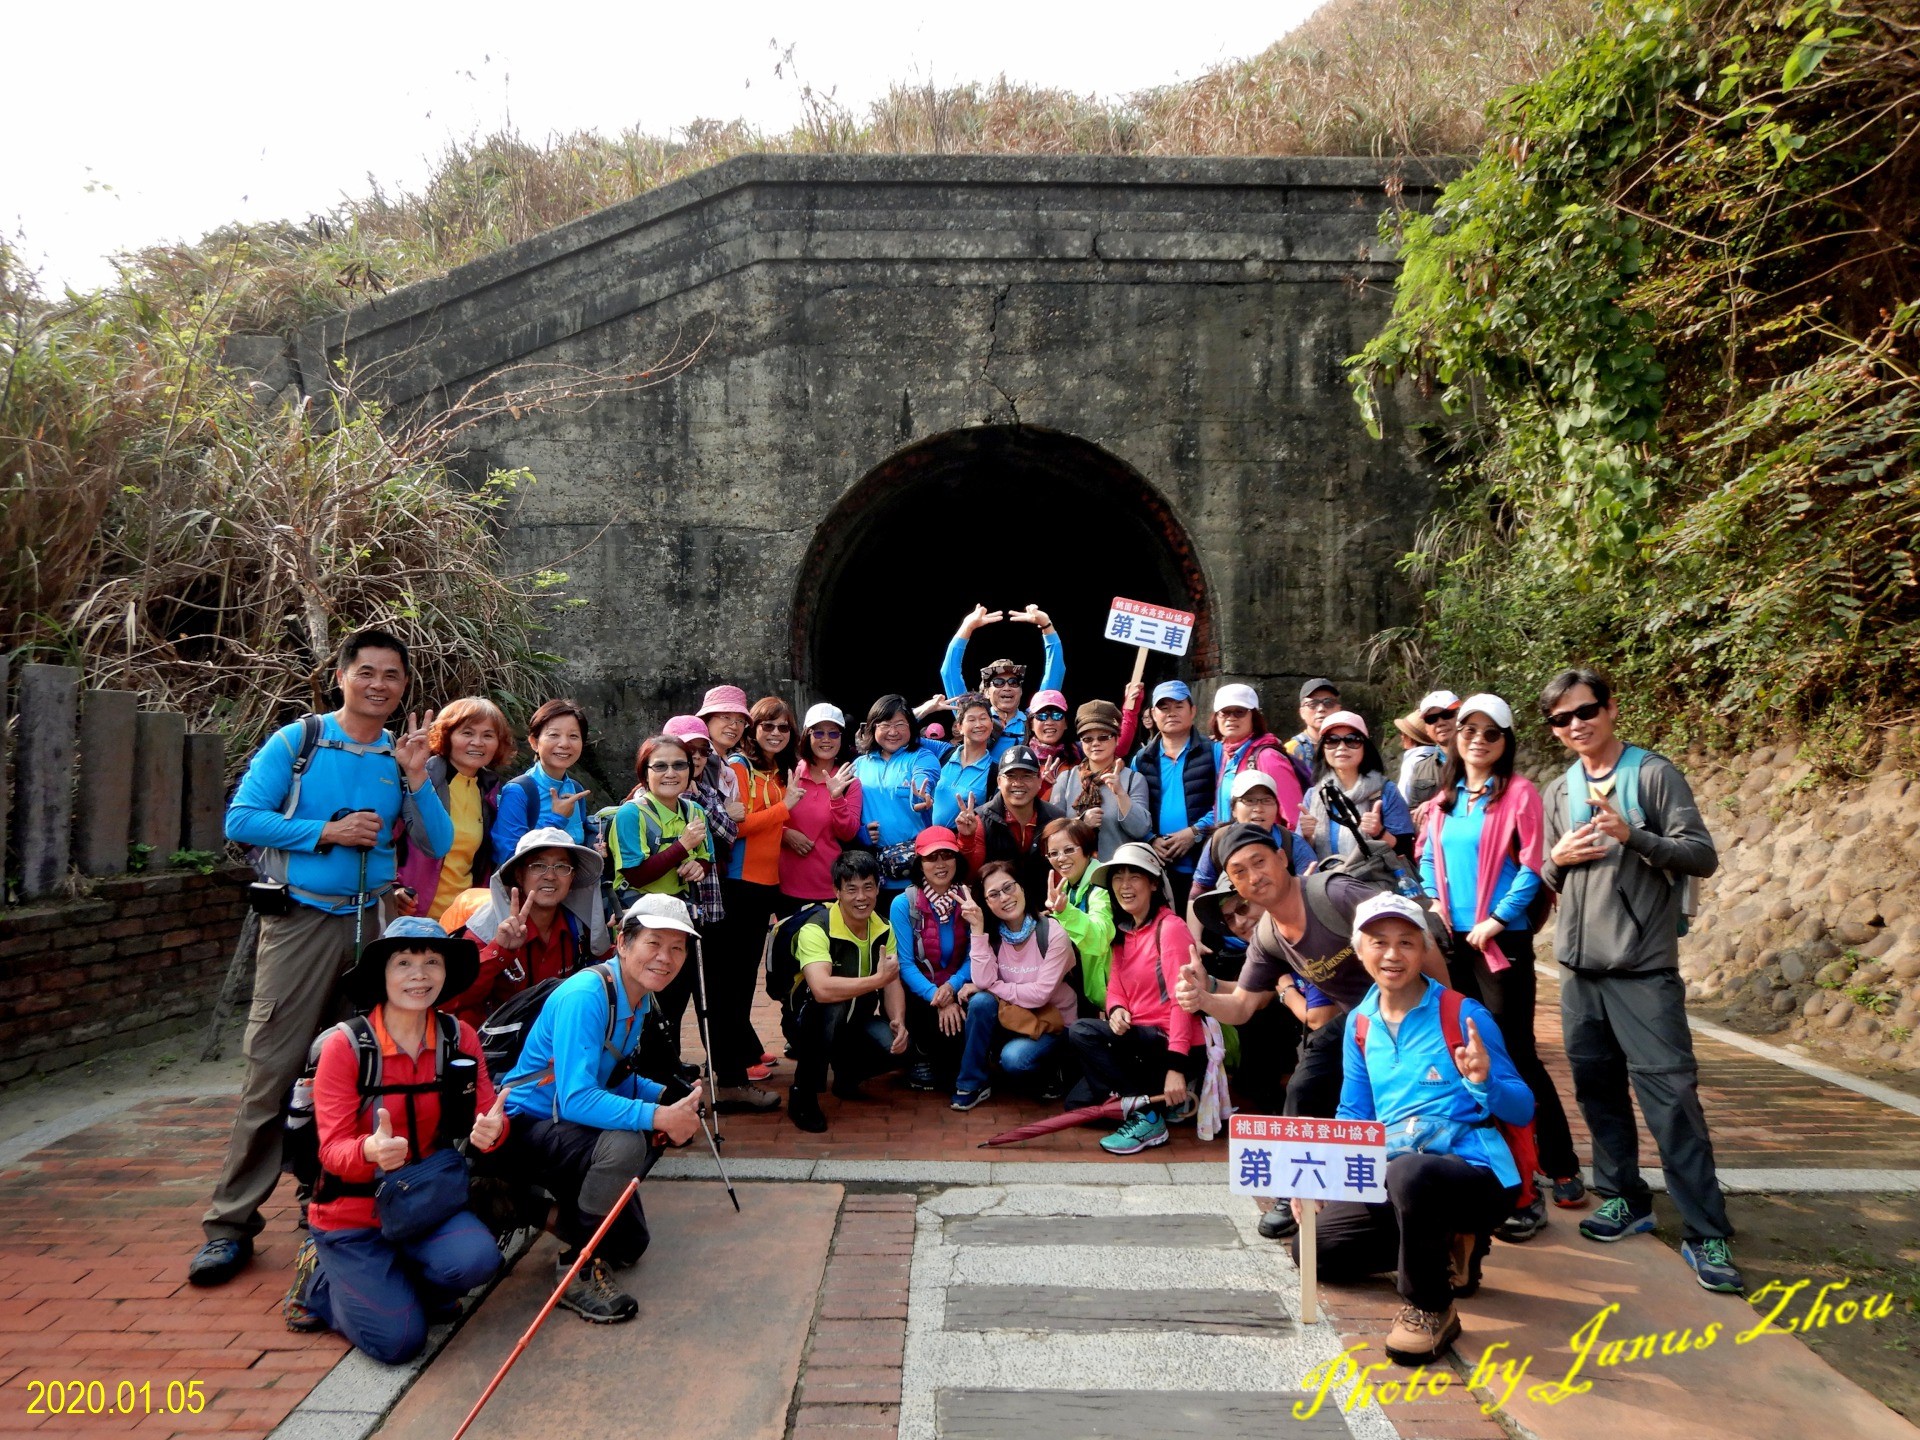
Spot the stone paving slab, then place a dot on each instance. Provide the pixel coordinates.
(1103, 1311)
(1144, 1231)
(1125, 1415)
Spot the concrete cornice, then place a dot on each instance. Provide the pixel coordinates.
(1194, 219)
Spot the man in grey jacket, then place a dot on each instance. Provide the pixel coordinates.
(1623, 837)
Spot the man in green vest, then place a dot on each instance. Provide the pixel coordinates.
(851, 1009)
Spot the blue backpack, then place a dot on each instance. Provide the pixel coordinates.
(1626, 798)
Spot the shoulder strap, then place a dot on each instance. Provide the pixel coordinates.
(1451, 1029)
(1314, 887)
(1360, 1031)
(311, 728)
(366, 1048)
(1628, 786)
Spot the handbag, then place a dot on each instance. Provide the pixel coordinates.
(896, 862)
(1034, 1024)
(418, 1199)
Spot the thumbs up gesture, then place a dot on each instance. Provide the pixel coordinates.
(488, 1128)
(384, 1150)
(1191, 984)
(1371, 824)
(1475, 1065)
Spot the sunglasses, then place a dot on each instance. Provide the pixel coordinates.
(1564, 718)
(1049, 714)
(700, 748)
(1342, 742)
(824, 732)
(1001, 682)
(667, 767)
(1096, 737)
(1433, 715)
(1488, 735)
(1333, 704)
(778, 726)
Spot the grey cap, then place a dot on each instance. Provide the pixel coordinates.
(1318, 682)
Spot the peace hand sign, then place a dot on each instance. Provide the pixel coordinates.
(412, 749)
(922, 790)
(1472, 1058)
(968, 820)
(970, 910)
(1056, 892)
(511, 933)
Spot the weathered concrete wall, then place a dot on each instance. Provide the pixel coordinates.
(1188, 317)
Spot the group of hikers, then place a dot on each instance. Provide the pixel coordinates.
(984, 889)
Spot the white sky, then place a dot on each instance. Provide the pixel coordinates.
(153, 122)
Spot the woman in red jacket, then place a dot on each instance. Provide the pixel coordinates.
(1144, 1044)
(381, 1295)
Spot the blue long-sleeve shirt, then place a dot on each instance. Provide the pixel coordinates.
(1460, 836)
(1053, 675)
(563, 1068)
(886, 791)
(1411, 1077)
(958, 781)
(515, 813)
(337, 779)
(906, 940)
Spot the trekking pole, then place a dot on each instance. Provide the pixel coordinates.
(706, 1033)
(714, 1146)
(547, 1309)
(360, 905)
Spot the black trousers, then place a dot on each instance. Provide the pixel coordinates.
(733, 977)
(1269, 1053)
(1315, 1086)
(940, 1051)
(1623, 1029)
(1135, 1063)
(857, 1045)
(585, 1170)
(1510, 994)
(1431, 1199)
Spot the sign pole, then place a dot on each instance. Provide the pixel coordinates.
(1139, 663)
(1309, 1265)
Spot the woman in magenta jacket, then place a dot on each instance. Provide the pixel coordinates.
(827, 814)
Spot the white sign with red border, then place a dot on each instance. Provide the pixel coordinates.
(1150, 627)
(1309, 1158)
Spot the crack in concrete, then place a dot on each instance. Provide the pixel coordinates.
(986, 366)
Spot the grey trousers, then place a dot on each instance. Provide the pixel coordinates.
(296, 993)
(1633, 1028)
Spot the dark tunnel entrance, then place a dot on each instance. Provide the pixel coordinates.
(1001, 515)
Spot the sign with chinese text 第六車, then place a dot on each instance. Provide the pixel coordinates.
(1150, 627)
(1302, 1156)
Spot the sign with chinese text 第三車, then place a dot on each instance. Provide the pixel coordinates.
(1150, 627)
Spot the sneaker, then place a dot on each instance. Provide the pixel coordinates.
(967, 1099)
(1525, 1223)
(735, 1098)
(1419, 1337)
(769, 1059)
(1615, 1220)
(218, 1261)
(1052, 1086)
(293, 1305)
(1570, 1193)
(593, 1295)
(1712, 1264)
(757, 1073)
(1184, 1111)
(1463, 1266)
(1278, 1223)
(920, 1075)
(1139, 1132)
(803, 1109)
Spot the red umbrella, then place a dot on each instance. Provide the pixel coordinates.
(1117, 1108)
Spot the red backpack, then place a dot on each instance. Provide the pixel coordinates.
(1519, 1138)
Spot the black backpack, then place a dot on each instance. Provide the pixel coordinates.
(301, 1152)
(505, 1034)
(780, 965)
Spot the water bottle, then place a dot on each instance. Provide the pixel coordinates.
(300, 1104)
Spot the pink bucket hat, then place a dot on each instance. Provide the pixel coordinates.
(686, 727)
(725, 700)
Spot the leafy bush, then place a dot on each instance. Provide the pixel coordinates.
(1673, 319)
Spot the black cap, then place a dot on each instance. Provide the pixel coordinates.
(1318, 682)
(1238, 837)
(1018, 757)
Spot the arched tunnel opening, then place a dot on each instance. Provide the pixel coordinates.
(1003, 516)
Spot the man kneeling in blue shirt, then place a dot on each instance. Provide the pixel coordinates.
(583, 1122)
(1450, 1176)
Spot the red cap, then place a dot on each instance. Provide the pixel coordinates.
(933, 838)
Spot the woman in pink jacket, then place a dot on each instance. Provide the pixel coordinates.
(1242, 741)
(1144, 1044)
(1018, 997)
(827, 814)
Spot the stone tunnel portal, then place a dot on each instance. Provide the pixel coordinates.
(1003, 516)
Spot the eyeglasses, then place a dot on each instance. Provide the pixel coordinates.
(667, 767)
(550, 867)
(1066, 854)
(1096, 737)
(1432, 715)
(824, 732)
(1486, 736)
(1049, 714)
(1004, 892)
(780, 726)
(1564, 718)
(1326, 705)
(1342, 742)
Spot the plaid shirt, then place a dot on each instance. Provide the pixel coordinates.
(722, 831)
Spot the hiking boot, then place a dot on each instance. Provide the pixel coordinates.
(1278, 1223)
(920, 1076)
(1570, 1193)
(1138, 1132)
(1419, 1337)
(1463, 1265)
(593, 1295)
(1525, 1223)
(218, 1261)
(967, 1099)
(293, 1305)
(1712, 1264)
(1615, 1220)
(733, 1099)
(803, 1109)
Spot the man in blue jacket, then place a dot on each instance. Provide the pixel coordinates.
(1001, 680)
(582, 1120)
(326, 830)
(1450, 1176)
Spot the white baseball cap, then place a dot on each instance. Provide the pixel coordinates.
(1228, 696)
(1387, 906)
(824, 712)
(1437, 700)
(1251, 780)
(661, 912)
(1491, 706)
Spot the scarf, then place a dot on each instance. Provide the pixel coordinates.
(1091, 794)
(1513, 825)
(1019, 936)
